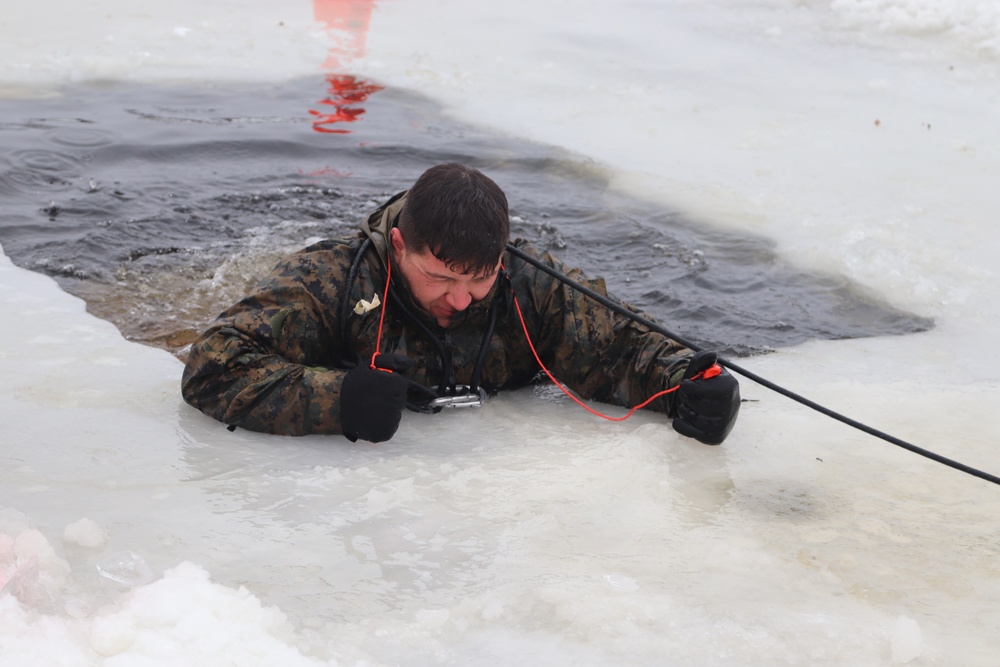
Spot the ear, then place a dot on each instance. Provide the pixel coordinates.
(398, 244)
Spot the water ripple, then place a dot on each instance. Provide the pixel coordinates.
(28, 181)
(82, 137)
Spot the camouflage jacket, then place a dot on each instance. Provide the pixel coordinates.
(275, 361)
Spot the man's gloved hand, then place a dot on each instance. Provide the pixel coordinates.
(707, 407)
(372, 401)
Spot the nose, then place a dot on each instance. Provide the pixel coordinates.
(459, 298)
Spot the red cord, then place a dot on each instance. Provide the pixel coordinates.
(708, 373)
(566, 391)
(381, 317)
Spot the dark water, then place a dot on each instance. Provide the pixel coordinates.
(161, 205)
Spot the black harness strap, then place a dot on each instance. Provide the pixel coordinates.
(345, 309)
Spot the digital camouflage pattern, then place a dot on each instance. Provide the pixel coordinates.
(275, 361)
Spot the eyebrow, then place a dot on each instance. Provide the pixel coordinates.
(482, 276)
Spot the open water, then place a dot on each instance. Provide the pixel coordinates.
(161, 205)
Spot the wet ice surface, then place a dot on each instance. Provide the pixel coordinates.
(514, 532)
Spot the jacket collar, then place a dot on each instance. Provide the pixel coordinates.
(378, 225)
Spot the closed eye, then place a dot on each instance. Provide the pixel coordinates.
(435, 277)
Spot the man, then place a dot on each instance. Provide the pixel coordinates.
(428, 302)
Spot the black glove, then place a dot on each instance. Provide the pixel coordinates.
(372, 401)
(707, 407)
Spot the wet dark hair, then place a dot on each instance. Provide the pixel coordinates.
(460, 215)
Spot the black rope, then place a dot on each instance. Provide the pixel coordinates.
(653, 326)
(345, 308)
(484, 347)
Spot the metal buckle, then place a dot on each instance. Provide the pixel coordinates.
(462, 398)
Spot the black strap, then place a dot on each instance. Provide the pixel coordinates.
(345, 309)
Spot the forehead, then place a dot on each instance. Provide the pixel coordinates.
(431, 264)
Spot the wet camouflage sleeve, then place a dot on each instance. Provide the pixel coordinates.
(595, 352)
(266, 364)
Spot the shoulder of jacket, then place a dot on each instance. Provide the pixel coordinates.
(325, 260)
(333, 245)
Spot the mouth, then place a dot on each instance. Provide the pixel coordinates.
(443, 311)
(443, 315)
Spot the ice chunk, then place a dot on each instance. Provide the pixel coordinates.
(126, 568)
(85, 533)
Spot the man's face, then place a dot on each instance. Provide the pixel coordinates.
(436, 288)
